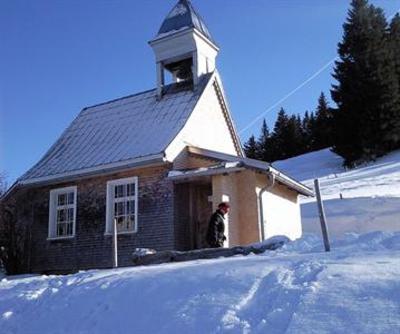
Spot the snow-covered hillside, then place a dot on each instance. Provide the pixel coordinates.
(370, 194)
(298, 289)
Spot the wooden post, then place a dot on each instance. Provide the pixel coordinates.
(115, 244)
(322, 217)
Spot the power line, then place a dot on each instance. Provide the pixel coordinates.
(255, 120)
(317, 73)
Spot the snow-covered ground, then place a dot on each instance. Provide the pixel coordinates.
(370, 194)
(298, 289)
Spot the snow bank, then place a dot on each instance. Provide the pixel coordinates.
(297, 289)
(311, 165)
(361, 200)
(350, 243)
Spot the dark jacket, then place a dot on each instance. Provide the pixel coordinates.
(216, 229)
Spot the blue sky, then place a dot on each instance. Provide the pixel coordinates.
(58, 56)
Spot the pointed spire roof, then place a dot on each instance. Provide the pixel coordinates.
(182, 16)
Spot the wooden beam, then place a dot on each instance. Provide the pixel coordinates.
(115, 244)
(322, 217)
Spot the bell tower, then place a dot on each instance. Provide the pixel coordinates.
(183, 47)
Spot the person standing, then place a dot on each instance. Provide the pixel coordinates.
(216, 226)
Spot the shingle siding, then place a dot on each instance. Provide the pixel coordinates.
(91, 248)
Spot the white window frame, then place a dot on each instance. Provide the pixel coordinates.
(53, 206)
(110, 204)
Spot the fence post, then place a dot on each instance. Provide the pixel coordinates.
(322, 216)
(115, 244)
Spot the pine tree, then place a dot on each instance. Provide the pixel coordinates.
(302, 144)
(384, 121)
(287, 139)
(367, 92)
(322, 129)
(347, 92)
(394, 37)
(250, 148)
(293, 137)
(308, 126)
(394, 41)
(278, 149)
(263, 143)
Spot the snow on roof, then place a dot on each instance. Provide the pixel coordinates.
(183, 15)
(224, 167)
(228, 157)
(256, 164)
(179, 9)
(131, 127)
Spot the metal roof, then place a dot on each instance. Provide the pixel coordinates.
(135, 127)
(182, 16)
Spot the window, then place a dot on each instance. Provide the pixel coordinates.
(122, 206)
(62, 213)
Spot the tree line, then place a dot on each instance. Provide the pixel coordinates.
(365, 124)
(293, 135)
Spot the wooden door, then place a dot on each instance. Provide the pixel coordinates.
(201, 212)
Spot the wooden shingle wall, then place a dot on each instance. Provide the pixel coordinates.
(91, 248)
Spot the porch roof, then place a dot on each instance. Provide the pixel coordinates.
(229, 163)
(222, 168)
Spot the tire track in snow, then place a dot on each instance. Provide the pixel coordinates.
(272, 300)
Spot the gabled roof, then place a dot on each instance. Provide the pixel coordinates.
(131, 129)
(182, 16)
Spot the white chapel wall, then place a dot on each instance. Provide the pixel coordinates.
(206, 128)
(281, 210)
(281, 215)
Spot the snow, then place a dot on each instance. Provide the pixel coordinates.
(178, 10)
(233, 164)
(224, 165)
(370, 193)
(143, 251)
(118, 131)
(271, 243)
(297, 289)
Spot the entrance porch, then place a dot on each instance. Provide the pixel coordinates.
(264, 202)
(197, 196)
